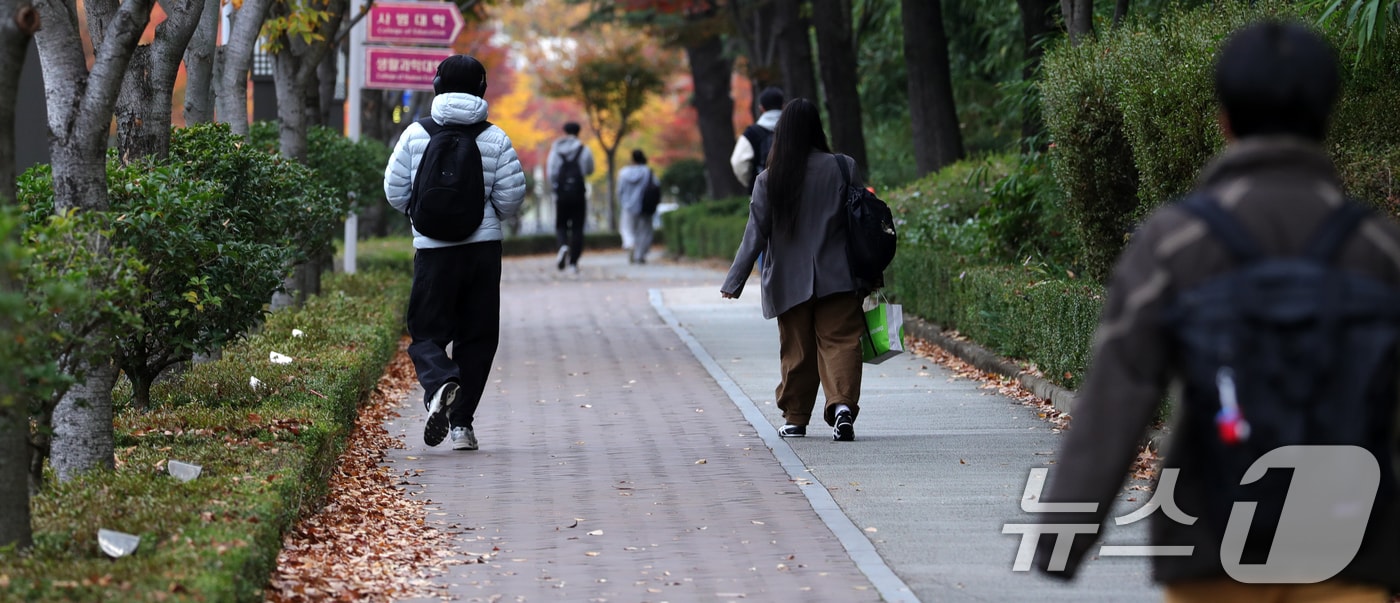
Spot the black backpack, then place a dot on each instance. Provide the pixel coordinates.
(870, 236)
(651, 196)
(448, 200)
(571, 185)
(761, 139)
(1281, 351)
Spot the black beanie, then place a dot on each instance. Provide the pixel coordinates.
(460, 73)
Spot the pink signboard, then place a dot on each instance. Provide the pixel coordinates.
(436, 23)
(402, 68)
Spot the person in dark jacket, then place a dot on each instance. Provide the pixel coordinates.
(1276, 83)
(797, 220)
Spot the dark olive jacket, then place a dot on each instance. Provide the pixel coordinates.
(1279, 189)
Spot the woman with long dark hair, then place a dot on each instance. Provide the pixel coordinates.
(797, 222)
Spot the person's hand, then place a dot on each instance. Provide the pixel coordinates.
(728, 295)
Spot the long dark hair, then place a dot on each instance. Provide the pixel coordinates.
(798, 133)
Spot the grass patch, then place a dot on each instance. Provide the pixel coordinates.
(266, 454)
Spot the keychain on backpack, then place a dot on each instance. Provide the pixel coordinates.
(1229, 421)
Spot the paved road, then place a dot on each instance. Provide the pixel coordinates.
(628, 453)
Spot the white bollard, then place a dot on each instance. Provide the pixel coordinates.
(352, 228)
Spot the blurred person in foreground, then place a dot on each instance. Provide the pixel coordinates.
(1269, 300)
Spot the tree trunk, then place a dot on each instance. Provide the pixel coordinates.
(611, 154)
(199, 67)
(325, 90)
(1036, 24)
(714, 110)
(291, 106)
(837, 58)
(80, 107)
(144, 105)
(140, 388)
(14, 473)
(1079, 19)
(18, 20)
(232, 95)
(932, 110)
(755, 23)
(83, 436)
(795, 51)
(1120, 12)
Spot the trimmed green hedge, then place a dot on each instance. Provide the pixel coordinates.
(266, 454)
(1133, 116)
(708, 229)
(397, 252)
(951, 269)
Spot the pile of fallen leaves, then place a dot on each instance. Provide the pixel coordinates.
(369, 542)
(1144, 467)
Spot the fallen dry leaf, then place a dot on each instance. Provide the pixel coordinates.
(359, 546)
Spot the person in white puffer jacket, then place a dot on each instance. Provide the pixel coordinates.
(456, 295)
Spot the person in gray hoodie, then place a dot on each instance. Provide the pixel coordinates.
(456, 295)
(632, 184)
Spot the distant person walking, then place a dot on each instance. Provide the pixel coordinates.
(570, 164)
(750, 154)
(632, 189)
(1270, 301)
(797, 219)
(456, 294)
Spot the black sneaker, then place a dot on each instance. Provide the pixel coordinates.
(792, 431)
(438, 410)
(845, 429)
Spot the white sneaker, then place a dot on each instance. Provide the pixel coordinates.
(573, 269)
(563, 256)
(438, 410)
(463, 438)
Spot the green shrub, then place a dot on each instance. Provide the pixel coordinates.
(270, 198)
(1132, 116)
(206, 283)
(685, 180)
(266, 456)
(712, 229)
(978, 253)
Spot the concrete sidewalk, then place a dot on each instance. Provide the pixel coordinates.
(628, 453)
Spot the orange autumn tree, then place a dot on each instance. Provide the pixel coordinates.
(613, 82)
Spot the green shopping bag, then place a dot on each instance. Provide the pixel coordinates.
(884, 333)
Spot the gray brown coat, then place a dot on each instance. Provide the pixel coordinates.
(807, 261)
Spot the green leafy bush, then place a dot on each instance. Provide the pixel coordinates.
(979, 252)
(1132, 116)
(270, 199)
(205, 283)
(685, 180)
(712, 229)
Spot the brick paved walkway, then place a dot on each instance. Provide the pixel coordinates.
(613, 468)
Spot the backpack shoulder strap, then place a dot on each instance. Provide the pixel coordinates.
(1335, 230)
(574, 159)
(429, 125)
(477, 128)
(845, 171)
(1226, 228)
